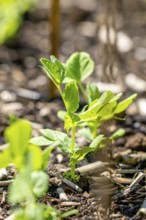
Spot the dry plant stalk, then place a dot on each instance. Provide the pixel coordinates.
(54, 21)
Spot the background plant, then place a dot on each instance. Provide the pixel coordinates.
(31, 181)
(11, 12)
(100, 107)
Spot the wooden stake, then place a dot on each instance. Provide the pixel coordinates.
(54, 21)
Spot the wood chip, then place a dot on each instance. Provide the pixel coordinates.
(121, 180)
(92, 168)
(70, 204)
(72, 185)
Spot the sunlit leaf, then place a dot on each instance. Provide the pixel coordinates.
(79, 66)
(122, 106)
(41, 141)
(18, 135)
(71, 96)
(119, 133)
(54, 70)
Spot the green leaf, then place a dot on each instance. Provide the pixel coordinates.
(53, 135)
(5, 158)
(70, 120)
(93, 92)
(34, 158)
(122, 106)
(54, 70)
(69, 213)
(107, 111)
(99, 142)
(95, 144)
(79, 66)
(22, 184)
(61, 115)
(32, 211)
(71, 96)
(40, 183)
(61, 139)
(117, 134)
(95, 106)
(116, 97)
(40, 141)
(80, 154)
(18, 135)
(46, 156)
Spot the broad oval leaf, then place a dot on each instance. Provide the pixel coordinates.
(71, 96)
(40, 141)
(39, 182)
(34, 158)
(18, 135)
(54, 70)
(79, 66)
(53, 135)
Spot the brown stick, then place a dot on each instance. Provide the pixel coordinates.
(54, 21)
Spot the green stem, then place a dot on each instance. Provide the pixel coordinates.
(73, 139)
(73, 171)
(61, 93)
(83, 91)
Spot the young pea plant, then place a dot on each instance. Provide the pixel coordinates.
(31, 181)
(100, 107)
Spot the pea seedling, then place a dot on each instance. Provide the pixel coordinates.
(100, 107)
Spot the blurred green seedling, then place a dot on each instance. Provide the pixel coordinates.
(31, 181)
(11, 16)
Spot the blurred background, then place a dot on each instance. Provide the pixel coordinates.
(112, 32)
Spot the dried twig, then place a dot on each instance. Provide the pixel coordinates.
(130, 188)
(129, 171)
(72, 185)
(5, 182)
(92, 168)
(70, 204)
(121, 180)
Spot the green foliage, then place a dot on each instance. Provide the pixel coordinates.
(54, 70)
(71, 93)
(79, 66)
(99, 108)
(11, 12)
(31, 182)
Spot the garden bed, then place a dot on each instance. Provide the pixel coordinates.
(114, 188)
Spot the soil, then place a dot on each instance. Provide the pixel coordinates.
(110, 193)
